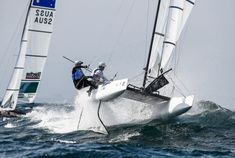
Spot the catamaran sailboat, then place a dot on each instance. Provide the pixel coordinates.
(122, 103)
(32, 55)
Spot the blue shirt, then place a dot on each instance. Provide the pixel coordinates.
(78, 74)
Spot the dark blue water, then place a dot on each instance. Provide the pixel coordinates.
(207, 131)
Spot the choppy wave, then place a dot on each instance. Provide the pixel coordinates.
(50, 130)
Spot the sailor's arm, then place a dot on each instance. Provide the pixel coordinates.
(84, 66)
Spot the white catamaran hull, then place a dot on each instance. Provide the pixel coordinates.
(110, 91)
(132, 107)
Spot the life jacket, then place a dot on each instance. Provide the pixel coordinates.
(94, 76)
(78, 75)
(97, 70)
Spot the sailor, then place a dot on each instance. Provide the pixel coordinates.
(98, 75)
(79, 79)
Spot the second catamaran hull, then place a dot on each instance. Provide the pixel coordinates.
(134, 108)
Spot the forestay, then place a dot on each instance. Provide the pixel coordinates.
(32, 55)
(172, 17)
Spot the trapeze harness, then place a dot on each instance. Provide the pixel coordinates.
(95, 76)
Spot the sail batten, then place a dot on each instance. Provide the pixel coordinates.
(37, 56)
(40, 31)
(160, 34)
(192, 2)
(176, 7)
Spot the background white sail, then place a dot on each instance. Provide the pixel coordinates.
(41, 19)
(10, 98)
(33, 52)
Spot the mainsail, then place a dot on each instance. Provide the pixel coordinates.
(173, 26)
(159, 34)
(188, 6)
(33, 52)
(172, 16)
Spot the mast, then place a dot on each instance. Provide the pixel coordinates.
(151, 44)
(26, 19)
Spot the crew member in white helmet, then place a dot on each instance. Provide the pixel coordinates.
(98, 75)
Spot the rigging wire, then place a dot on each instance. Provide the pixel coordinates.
(121, 32)
(136, 76)
(13, 36)
(146, 35)
(177, 55)
(8, 58)
(182, 83)
(177, 88)
(95, 58)
(178, 51)
(16, 29)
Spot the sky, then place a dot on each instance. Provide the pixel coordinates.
(118, 32)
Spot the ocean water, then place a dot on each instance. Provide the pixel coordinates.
(49, 130)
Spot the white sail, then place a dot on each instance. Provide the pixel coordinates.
(174, 29)
(41, 19)
(34, 44)
(159, 34)
(173, 25)
(10, 98)
(188, 6)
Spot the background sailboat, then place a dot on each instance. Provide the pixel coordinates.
(33, 52)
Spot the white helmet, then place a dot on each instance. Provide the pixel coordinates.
(78, 62)
(102, 64)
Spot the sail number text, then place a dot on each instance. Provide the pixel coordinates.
(43, 16)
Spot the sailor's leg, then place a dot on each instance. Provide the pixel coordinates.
(90, 83)
(75, 83)
(78, 84)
